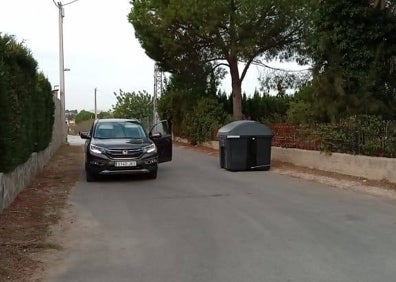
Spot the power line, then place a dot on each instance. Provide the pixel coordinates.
(71, 2)
(59, 4)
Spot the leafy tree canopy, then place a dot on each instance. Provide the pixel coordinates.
(353, 47)
(107, 114)
(84, 115)
(137, 105)
(184, 34)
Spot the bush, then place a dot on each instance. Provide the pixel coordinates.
(204, 120)
(364, 134)
(84, 115)
(300, 112)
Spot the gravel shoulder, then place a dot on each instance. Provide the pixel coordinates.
(27, 226)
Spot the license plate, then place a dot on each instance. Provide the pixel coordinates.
(125, 164)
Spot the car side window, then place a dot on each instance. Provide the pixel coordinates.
(161, 127)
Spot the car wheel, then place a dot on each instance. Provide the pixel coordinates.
(152, 174)
(90, 176)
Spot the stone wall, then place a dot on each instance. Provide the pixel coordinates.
(11, 184)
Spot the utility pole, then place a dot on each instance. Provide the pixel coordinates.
(62, 69)
(96, 110)
(62, 72)
(157, 91)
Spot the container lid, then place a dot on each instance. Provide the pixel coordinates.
(245, 128)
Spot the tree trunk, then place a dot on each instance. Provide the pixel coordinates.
(378, 4)
(236, 89)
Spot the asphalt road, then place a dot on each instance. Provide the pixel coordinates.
(197, 222)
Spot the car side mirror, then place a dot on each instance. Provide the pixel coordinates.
(85, 135)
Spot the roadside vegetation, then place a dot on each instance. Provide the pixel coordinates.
(343, 101)
(26, 105)
(349, 48)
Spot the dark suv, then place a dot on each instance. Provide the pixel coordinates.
(122, 146)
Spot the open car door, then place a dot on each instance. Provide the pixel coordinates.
(162, 137)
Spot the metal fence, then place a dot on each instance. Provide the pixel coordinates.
(373, 138)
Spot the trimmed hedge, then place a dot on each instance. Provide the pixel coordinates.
(26, 105)
(44, 114)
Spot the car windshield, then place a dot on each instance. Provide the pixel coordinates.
(119, 130)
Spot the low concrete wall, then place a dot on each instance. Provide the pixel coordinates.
(11, 184)
(373, 168)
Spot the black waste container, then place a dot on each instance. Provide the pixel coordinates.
(245, 145)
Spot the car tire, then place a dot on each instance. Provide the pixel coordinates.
(90, 177)
(152, 174)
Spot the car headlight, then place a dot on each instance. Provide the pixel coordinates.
(150, 149)
(96, 149)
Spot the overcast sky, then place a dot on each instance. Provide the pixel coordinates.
(99, 45)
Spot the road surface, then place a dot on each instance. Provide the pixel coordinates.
(197, 222)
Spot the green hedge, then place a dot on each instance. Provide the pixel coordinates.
(27, 109)
(44, 113)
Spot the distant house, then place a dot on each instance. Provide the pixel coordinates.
(70, 115)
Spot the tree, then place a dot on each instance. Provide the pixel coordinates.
(107, 114)
(182, 93)
(180, 34)
(378, 4)
(84, 115)
(353, 47)
(137, 105)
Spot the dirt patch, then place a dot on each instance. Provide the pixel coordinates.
(25, 226)
(198, 148)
